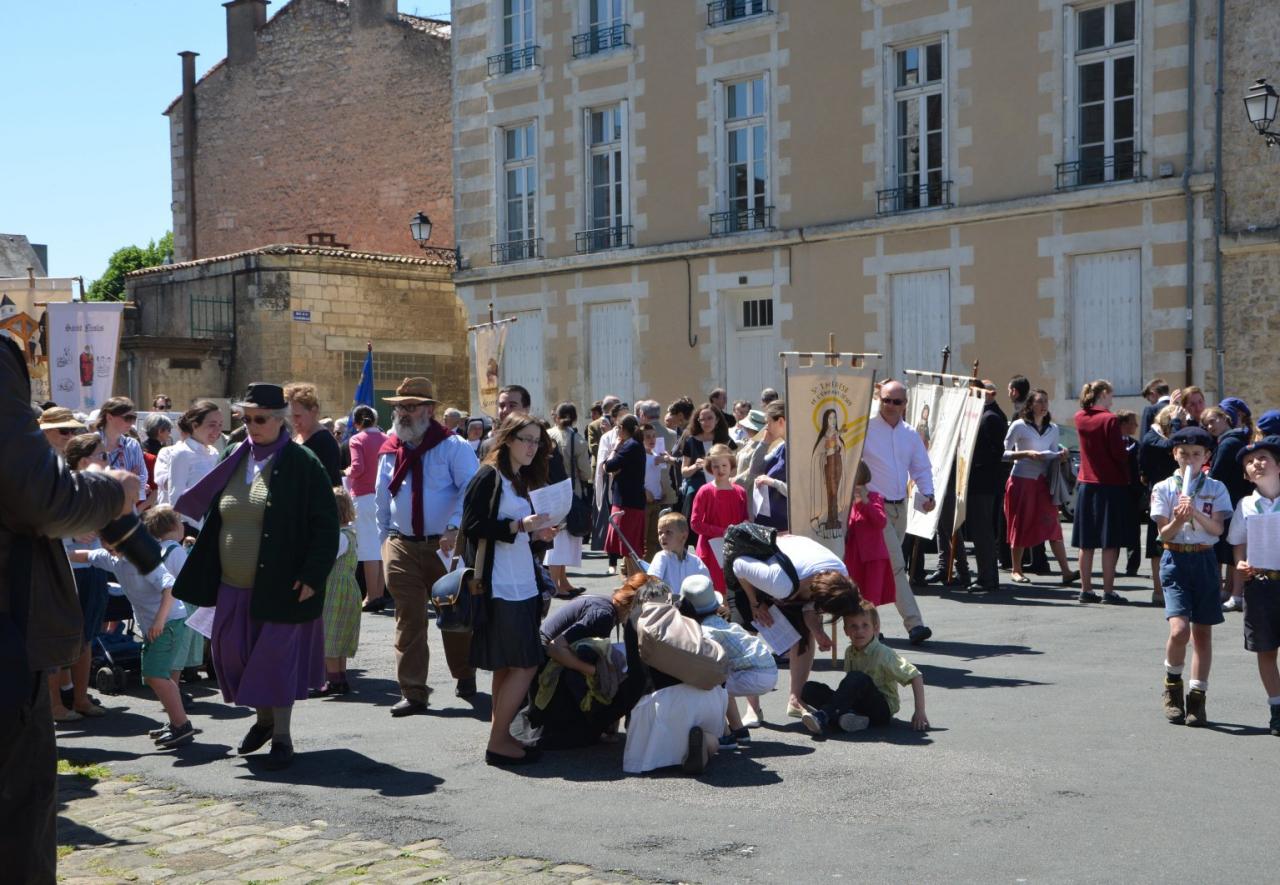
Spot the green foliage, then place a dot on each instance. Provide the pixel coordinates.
(110, 286)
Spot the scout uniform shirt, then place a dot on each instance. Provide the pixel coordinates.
(1208, 495)
(1250, 507)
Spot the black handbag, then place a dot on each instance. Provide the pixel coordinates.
(459, 596)
(578, 522)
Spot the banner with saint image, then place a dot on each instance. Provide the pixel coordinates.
(935, 411)
(970, 417)
(827, 411)
(488, 342)
(84, 343)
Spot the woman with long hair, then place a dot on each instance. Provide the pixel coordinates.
(116, 418)
(1103, 511)
(496, 508)
(1031, 443)
(195, 456)
(708, 428)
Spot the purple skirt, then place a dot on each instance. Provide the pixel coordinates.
(261, 663)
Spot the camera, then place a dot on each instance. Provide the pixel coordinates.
(128, 536)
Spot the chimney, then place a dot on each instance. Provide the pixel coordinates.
(371, 13)
(244, 18)
(189, 149)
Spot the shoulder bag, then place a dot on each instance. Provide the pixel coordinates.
(458, 596)
(578, 522)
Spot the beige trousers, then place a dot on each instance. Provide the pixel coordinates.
(895, 530)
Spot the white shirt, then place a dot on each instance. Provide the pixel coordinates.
(512, 577)
(1210, 497)
(144, 592)
(1023, 437)
(671, 570)
(608, 444)
(809, 558)
(653, 476)
(190, 462)
(163, 458)
(1254, 506)
(892, 454)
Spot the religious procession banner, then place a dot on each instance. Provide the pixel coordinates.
(84, 342)
(970, 416)
(488, 342)
(22, 319)
(935, 412)
(827, 409)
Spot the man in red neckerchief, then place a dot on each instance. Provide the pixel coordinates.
(422, 471)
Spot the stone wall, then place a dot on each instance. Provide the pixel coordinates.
(332, 126)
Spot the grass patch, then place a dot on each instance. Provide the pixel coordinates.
(65, 851)
(87, 771)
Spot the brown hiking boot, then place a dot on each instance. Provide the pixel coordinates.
(1174, 707)
(1195, 708)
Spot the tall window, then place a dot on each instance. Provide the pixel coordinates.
(1106, 93)
(918, 104)
(517, 24)
(746, 136)
(520, 183)
(605, 13)
(606, 211)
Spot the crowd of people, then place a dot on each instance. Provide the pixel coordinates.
(277, 535)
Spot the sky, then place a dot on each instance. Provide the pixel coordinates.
(84, 147)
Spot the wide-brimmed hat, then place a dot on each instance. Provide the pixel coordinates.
(698, 591)
(413, 391)
(261, 395)
(1270, 443)
(59, 418)
(755, 421)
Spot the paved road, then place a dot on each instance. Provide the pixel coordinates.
(1049, 760)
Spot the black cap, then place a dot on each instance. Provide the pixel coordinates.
(1271, 443)
(260, 395)
(1192, 436)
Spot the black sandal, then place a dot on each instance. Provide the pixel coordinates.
(570, 594)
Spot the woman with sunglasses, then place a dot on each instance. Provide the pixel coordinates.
(116, 418)
(80, 452)
(59, 425)
(496, 508)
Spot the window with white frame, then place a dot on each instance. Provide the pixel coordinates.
(520, 191)
(919, 102)
(1106, 95)
(605, 13)
(746, 133)
(517, 24)
(606, 180)
(606, 27)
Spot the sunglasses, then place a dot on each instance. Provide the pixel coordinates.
(894, 401)
(258, 419)
(128, 416)
(66, 431)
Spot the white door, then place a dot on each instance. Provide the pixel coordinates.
(1106, 320)
(921, 321)
(610, 369)
(751, 352)
(522, 359)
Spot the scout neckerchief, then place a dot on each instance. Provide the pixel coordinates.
(1258, 504)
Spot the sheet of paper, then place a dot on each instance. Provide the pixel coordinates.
(660, 444)
(760, 500)
(553, 500)
(717, 547)
(780, 636)
(918, 500)
(201, 620)
(1263, 538)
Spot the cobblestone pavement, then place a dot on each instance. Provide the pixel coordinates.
(118, 829)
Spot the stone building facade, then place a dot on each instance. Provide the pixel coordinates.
(668, 194)
(206, 328)
(332, 116)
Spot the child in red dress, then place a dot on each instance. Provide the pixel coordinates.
(716, 506)
(865, 555)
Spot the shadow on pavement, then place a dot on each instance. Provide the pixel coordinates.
(969, 651)
(342, 768)
(1018, 594)
(958, 677)
(1237, 730)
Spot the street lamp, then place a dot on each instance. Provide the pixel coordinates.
(420, 229)
(1260, 104)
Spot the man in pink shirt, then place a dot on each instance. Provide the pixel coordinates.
(362, 476)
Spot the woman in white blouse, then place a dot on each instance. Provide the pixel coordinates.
(1032, 445)
(195, 455)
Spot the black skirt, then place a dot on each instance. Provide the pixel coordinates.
(509, 637)
(1104, 517)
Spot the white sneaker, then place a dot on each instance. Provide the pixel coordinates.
(1234, 604)
(854, 722)
(751, 719)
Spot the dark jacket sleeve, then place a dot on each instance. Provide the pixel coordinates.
(479, 517)
(41, 495)
(321, 516)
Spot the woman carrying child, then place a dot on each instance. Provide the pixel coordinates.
(341, 603)
(717, 505)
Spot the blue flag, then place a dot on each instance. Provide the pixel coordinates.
(364, 390)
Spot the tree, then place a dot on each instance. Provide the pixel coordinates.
(110, 286)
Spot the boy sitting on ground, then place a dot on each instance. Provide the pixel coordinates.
(868, 694)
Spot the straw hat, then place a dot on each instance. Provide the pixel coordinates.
(59, 418)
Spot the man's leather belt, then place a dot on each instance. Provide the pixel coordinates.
(1188, 548)
(1266, 574)
(899, 501)
(417, 539)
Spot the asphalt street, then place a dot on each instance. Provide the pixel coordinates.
(1048, 760)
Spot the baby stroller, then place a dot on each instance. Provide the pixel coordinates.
(117, 653)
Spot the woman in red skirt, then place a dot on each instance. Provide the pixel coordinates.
(1032, 445)
(717, 505)
(627, 466)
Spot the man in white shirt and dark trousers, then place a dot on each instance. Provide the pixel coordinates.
(894, 452)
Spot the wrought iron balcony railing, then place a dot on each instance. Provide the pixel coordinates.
(741, 220)
(1119, 167)
(600, 238)
(513, 60)
(724, 12)
(601, 40)
(936, 195)
(515, 250)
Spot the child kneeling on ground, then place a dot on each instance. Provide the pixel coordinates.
(1259, 563)
(868, 694)
(752, 669)
(1189, 521)
(167, 640)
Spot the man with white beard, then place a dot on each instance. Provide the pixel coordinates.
(422, 471)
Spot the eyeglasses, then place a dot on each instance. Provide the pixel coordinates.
(257, 419)
(407, 407)
(893, 401)
(530, 440)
